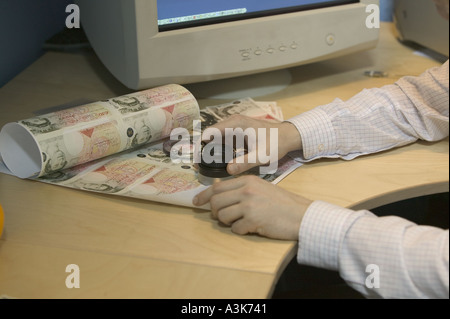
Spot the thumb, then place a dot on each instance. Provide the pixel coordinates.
(242, 163)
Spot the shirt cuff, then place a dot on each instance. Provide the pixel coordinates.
(317, 134)
(322, 232)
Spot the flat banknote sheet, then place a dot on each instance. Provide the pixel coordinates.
(116, 146)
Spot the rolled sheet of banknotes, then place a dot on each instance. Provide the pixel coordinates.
(59, 140)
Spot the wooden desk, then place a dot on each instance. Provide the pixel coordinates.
(127, 248)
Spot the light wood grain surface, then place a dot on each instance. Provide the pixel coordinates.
(128, 248)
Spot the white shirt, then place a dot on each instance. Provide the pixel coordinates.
(410, 261)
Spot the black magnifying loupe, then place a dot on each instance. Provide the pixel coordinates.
(213, 163)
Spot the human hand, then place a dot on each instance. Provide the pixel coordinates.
(288, 139)
(250, 204)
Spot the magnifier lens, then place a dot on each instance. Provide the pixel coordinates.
(213, 164)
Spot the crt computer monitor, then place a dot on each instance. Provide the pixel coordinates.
(147, 43)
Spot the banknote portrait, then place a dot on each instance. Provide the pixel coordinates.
(236, 107)
(246, 107)
(58, 176)
(109, 188)
(142, 133)
(158, 155)
(39, 125)
(54, 158)
(127, 104)
(207, 119)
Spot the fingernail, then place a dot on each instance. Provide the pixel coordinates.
(232, 168)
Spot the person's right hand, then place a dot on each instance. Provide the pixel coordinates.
(251, 205)
(288, 139)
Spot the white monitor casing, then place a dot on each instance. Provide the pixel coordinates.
(125, 36)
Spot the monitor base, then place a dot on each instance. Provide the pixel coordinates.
(255, 85)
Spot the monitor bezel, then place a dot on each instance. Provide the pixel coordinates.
(253, 15)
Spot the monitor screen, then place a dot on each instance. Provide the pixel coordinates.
(174, 14)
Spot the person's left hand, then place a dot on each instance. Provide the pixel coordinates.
(250, 204)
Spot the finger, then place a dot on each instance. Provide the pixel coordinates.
(220, 187)
(241, 227)
(243, 163)
(203, 197)
(225, 206)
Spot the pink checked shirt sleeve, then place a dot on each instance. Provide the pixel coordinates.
(412, 260)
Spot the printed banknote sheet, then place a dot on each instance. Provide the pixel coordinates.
(115, 146)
